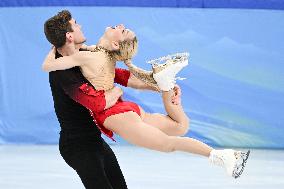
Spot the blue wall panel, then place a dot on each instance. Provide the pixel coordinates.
(247, 4)
(233, 94)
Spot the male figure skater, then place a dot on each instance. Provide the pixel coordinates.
(80, 143)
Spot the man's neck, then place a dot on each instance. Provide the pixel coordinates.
(68, 49)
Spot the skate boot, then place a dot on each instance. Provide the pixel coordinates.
(165, 73)
(233, 161)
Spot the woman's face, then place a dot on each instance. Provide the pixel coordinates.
(118, 33)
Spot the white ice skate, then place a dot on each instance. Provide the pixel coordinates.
(233, 161)
(165, 69)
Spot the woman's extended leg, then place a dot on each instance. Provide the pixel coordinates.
(130, 127)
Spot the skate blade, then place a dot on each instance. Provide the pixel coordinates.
(240, 167)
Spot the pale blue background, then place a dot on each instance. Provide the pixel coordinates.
(233, 94)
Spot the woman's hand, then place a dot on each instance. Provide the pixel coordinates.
(176, 98)
(49, 58)
(127, 61)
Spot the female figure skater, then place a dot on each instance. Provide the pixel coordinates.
(127, 119)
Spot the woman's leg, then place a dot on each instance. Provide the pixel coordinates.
(131, 128)
(176, 123)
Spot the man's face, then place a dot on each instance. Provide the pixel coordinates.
(118, 33)
(78, 36)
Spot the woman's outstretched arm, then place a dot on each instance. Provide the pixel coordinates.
(78, 59)
(140, 78)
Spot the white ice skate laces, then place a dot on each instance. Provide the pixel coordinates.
(233, 161)
(165, 69)
(174, 57)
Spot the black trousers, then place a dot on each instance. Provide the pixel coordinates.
(93, 160)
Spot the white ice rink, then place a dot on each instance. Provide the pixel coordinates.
(41, 167)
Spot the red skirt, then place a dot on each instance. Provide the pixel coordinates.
(120, 107)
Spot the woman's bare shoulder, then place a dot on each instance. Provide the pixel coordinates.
(89, 56)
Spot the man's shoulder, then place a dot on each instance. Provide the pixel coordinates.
(66, 77)
(74, 70)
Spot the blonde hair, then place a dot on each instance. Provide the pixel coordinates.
(127, 49)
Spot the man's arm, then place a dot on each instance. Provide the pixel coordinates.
(95, 100)
(78, 89)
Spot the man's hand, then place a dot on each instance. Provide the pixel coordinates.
(176, 98)
(112, 95)
(118, 91)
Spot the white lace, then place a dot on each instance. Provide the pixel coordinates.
(180, 78)
(216, 160)
(163, 59)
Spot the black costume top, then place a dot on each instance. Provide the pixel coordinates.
(72, 104)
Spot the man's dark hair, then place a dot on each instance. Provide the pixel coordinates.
(56, 27)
